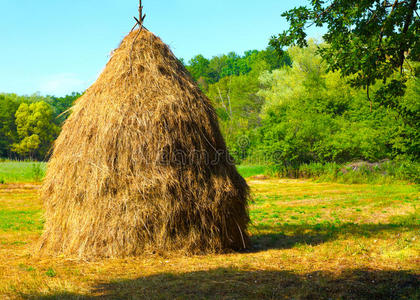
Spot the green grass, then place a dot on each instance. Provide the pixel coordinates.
(16, 171)
(310, 241)
(19, 171)
(14, 220)
(248, 171)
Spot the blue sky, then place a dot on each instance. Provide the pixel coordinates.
(59, 46)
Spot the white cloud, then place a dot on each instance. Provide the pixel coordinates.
(62, 84)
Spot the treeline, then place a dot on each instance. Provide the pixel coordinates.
(289, 111)
(30, 124)
(286, 111)
(209, 71)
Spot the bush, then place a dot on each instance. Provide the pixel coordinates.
(358, 172)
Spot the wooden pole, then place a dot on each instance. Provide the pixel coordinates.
(139, 22)
(140, 11)
(141, 18)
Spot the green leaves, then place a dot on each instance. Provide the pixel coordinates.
(29, 124)
(312, 115)
(35, 129)
(370, 39)
(27, 146)
(207, 72)
(8, 134)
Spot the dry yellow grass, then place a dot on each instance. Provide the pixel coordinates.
(341, 242)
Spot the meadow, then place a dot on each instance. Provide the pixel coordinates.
(311, 240)
(21, 171)
(335, 123)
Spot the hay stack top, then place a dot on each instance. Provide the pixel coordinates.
(141, 166)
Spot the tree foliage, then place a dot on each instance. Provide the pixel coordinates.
(29, 124)
(306, 106)
(35, 129)
(368, 40)
(206, 71)
(8, 132)
(304, 111)
(314, 115)
(61, 106)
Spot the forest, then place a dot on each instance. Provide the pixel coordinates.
(30, 124)
(284, 110)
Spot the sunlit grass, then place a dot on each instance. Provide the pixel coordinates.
(248, 171)
(20, 171)
(310, 241)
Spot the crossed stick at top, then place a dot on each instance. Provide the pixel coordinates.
(141, 18)
(139, 22)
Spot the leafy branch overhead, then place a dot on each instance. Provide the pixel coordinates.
(369, 39)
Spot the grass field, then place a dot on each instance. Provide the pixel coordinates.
(310, 241)
(20, 171)
(17, 171)
(248, 171)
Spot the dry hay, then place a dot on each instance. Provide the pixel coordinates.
(141, 166)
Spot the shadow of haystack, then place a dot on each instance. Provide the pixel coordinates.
(141, 166)
(227, 283)
(315, 234)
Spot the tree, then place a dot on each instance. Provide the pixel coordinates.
(198, 66)
(61, 106)
(312, 115)
(35, 129)
(368, 40)
(27, 146)
(217, 63)
(8, 134)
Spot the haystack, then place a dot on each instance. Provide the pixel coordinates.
(141, 166)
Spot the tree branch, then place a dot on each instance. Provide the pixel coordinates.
(383, 26)
(412, 8)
